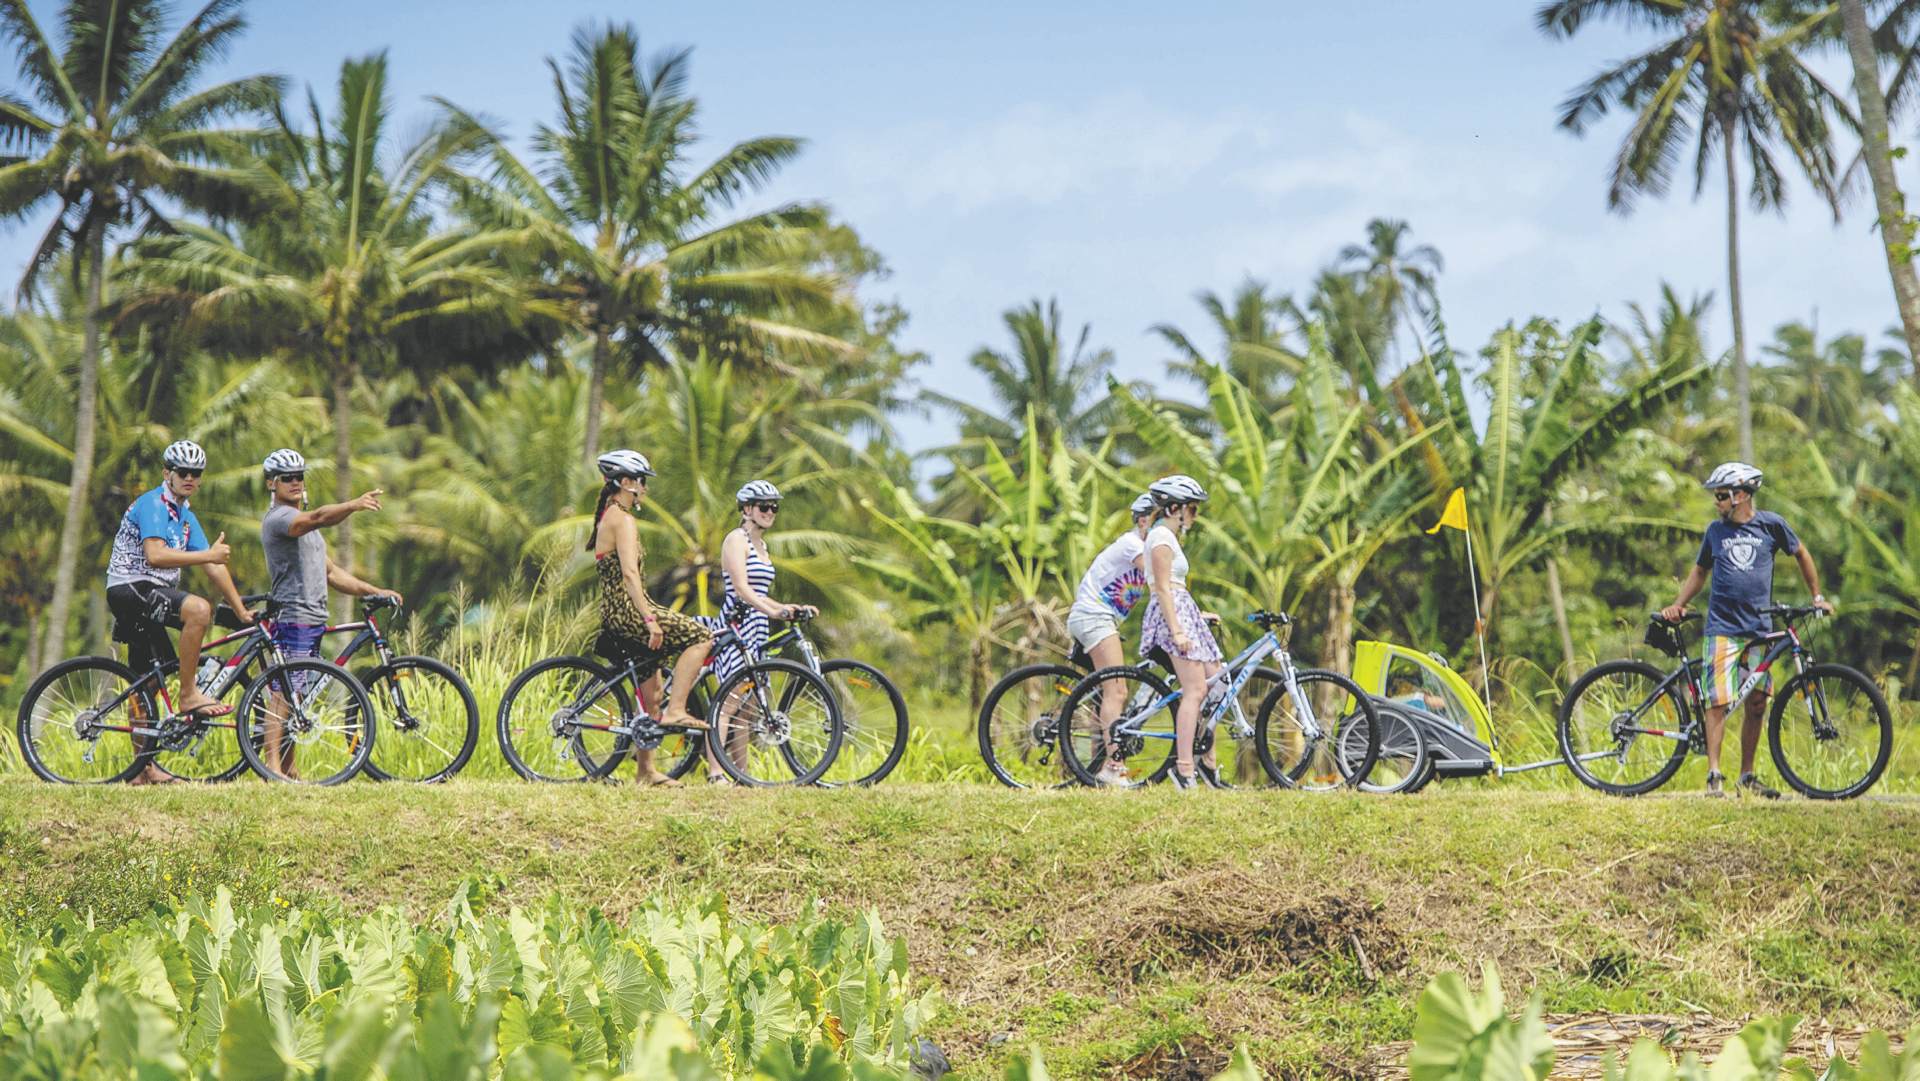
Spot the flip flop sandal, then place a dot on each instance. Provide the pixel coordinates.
(694, 725)
(665, 782)
(207, 713)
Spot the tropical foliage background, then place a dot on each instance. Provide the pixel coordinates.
(434, 313)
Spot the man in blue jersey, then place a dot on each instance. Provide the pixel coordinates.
(1738, 552)
(158, 536)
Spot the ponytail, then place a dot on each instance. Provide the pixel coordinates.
(606, 494)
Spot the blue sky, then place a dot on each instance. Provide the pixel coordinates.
(1122, 156)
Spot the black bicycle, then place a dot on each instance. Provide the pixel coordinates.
(576, 719)
(873, 713)
(428, 720)
(94, 720)
(1626, 727)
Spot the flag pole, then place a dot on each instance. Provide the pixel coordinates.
(1479, 628)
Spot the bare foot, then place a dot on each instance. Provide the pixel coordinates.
(154, 775)
(680, 718)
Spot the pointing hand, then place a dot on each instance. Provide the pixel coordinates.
(370, 501)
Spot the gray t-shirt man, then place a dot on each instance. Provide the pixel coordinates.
(298, 566)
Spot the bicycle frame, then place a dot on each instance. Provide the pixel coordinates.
(259, 641)
(1233, 676)
(1783, 642)
(369, 631)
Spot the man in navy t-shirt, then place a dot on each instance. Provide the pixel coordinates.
(1738, 552)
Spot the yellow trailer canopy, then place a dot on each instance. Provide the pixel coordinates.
(1424, 681)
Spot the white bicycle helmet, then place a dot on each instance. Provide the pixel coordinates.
(185, 454)
(283, 460)
(1178, 488)
(1734, 475)
(624, 463)
(757, 491)
(1143, 505)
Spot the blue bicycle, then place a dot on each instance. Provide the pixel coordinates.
(1292, 727)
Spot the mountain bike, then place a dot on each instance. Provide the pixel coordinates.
(1627, 727)
(426, 714)
(574, 719)
(873, 713)
(94, 720)
(1311, 728)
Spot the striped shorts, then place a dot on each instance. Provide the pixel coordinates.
(1727, 667)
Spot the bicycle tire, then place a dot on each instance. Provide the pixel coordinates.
(1350, 758)
(1588, 719)
(1402, 766)
(875, 725)
(414, 749)
(1244, 769)
(779, 745)
(1821, 763)
(532, 723)
(1019, 746)
(40, 723)
(336, 721)
(1082, 746)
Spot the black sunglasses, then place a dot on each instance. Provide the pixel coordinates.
(765, 506)
(1722, 497)
(291, 476)
(188, 474)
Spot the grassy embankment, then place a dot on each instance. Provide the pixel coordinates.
(1148, 929)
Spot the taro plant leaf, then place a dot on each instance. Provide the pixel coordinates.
(778, 1064)
(1031, 1068)
(247, 1049)
(1241, 1068)
(355, 1042)
(136, 1038)
(1457, 1034)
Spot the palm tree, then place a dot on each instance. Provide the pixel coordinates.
(1041, 373)
(356, 274)
(1254, 337)
(629, 232)
(1896, 227)
(1724, 76)
(1404, 278)
(124, 128)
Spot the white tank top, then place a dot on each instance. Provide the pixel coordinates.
(1162, 537)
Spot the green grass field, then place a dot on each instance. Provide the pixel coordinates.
(1115, 929)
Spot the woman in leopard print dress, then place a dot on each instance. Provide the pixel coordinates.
(640, 628)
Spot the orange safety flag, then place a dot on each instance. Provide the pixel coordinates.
(1456, 513)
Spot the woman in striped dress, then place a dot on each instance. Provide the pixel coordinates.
(748, 570)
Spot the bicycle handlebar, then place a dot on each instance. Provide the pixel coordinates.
(1688, 618)
(1793, 611)
(374, 604)
(1267, 621)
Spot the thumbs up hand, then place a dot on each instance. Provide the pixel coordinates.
(219, 551)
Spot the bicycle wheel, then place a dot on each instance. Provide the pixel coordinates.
(427, 719)
(1830, 732)
(318, 714)
(1402, 763)
(556, 721)
(1601, 728)
(775, 723)
(1124, 698)
(1018, 738)
(1325, 754)
(1237, 764)
(874, 717)
(76, 724)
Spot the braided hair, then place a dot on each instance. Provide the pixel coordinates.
(607, 491)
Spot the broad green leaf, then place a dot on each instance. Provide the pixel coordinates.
(247, 1049)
